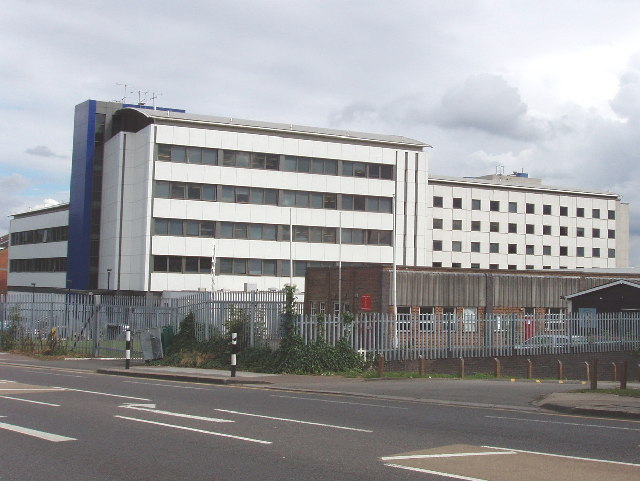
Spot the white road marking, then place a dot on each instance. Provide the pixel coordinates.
(294, 421)
(55, 438)
(565, 456)
(151, 408)
(339, 402)
(29, 401)
(562, 422)
(241, 438)
(43, 389)
(437, 473)
(54, 374)
(106, 394)
(447, 455)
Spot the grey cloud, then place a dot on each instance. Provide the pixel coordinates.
(43, 151)
(487, 103)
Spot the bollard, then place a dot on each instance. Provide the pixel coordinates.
(498, 367)
(614, 371)
(588, 374)
(560, 370)
(127, 352)
(234, 351)
(529, 369)
(623, 374)
(594, 373)
(381, 365)
(461, 368)
(421, 365)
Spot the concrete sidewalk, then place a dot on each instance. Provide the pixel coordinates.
(521, 395)
(555, 396)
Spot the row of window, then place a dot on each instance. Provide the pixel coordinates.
(47, 264)
(264, 161)
(39, 236)
(269, 232)
(511, 267)
(513, 228)
(494, 248)
(233, 266)
(513, 207)
(260, 196)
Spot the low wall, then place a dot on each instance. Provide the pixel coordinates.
(542, 366)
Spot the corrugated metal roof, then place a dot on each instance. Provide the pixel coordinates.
(170, 117)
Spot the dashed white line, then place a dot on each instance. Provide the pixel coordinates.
(29, 401)
(185, 428)
(294, 421)
(564, 456)
(55, 438)
(178, 415)
(339, 402)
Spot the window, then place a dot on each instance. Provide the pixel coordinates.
(512, 249)
(579, 251)
(580, 212)
(546, 250)
(494, 266)
(437, 223)
(475, 247)
(595, 233)
(494, 227)
(554, 319)
(530, 250)
(475, 265)
(611, 234)
(564, 230)
(456, 246)
(546, 209)
(546, 230)
(595, 252)
(513, 228)
(457, 203)
(476, 204)
(456, 224)
(513, 207)
(579, 231)
(530, 229)
(494, 206)
(437, 245)
(611, 215)
(494, 247)
(456, 265)
(564, 211)
(611, 253)
(595, 213)
(529, 267)
(475, 225)
(530, 208)
(564, 250)
(512, 267)
(436, 264)
(437, 201)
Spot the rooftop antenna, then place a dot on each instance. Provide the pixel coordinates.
(153, 98)
(141, 96)
(123, 100)
(499, 169)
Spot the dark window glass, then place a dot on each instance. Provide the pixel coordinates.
(240, 230)
(256, 195)
(272, 162)
(242, 195)
(359, 169)
(270, 197)
(205, 264)
(210, 156)
(177, 191)
(207, 229)
(513, 207)
(163, 189)
(302, 199)
(530, 209)
(160, 263)
(178, 153)
(161, 226)
(255, 267)
(530, 229)
(475, 225)
(457, 203)
(226, 230)
(373, 171)
(175, 227)
(193, 228)
(175, 264)
(580, 212)
(208, 192)
(193, 192)
(164, 152)
(385, 205)
(386, 172)
(226, 266)
(228, 193)
(317, 200)
(359, 202)
(611, 215)
(288, 198)
(476, 204)
(513, 228)
(194, 155)
(228, 158)
(239, 266)
(564, 211)
(347, 168)
(437, 201)
(191, 264)
(494, 205)
(437, 223)
(258, 160)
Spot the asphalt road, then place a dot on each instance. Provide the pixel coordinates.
(73, 424)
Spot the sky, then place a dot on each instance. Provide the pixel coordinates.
(551, 88)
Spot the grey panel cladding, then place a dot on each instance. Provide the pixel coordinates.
(488, 290)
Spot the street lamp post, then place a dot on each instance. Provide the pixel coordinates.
(108, 279)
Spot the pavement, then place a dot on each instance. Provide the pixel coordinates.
(524, 394)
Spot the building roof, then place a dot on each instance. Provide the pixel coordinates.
(620, 282)
(176, 117)
(41, 210)
(513, 182)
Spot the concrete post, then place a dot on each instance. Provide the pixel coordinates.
(498, 371)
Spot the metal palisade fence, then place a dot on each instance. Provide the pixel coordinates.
(94, 325)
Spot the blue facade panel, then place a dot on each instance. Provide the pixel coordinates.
(80, 195)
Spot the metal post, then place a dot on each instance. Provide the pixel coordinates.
(529, 369)
(623, 374)
(234, 350)
(33, 305)
(594, 373)
(108, 279)
(127, 354)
